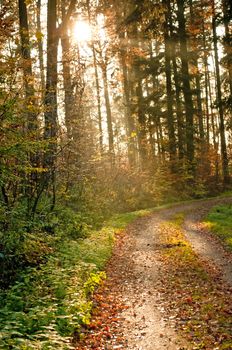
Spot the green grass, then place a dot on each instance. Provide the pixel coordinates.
(219, 221)
(120, 221)
(47, 304)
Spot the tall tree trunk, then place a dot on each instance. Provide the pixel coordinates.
(194, 58)
(130, 125)
(167, 54)
(151, 130)
(157, 117)
(225, 168)
(40, 46)
(50, 115)
(179, 113)
(98, 100)
(108, 112)
(199, 109)
(97, 86)
(142, 133)
(206, 83)
(214, 127)
(160, 139)
(68, 90)
(27, 67)
(186, 85)
(50, 100)
(227, 17)
(30, 101)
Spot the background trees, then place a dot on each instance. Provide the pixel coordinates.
(129, 107)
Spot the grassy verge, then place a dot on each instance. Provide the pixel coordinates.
(219, 221)
(49, 303)
(197, 300)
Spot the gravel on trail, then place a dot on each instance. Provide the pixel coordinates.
(136, 271)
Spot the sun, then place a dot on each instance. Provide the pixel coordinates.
(82, 31)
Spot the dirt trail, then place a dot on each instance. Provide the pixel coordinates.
(207, 246)
(145, 325)
(136, 271)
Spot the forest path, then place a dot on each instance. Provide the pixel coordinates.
(205, 244)
(136, 280)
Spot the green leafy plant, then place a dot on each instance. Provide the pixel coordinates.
(51, 301)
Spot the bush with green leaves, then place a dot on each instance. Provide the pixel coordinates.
(48, 304)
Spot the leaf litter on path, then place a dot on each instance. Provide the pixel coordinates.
(159, 295)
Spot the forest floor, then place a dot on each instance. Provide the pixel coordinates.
(168, 286)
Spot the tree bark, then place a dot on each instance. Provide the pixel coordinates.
(108, 112)
(197, 82)
(40, 46)
(95, 64)
(50, 100)
(167, 54)
(186, 85)
(225, 167)
(98, 100)
(130, 125)
(68, 90)
(27, 67)
(29, 104)
(227, 17)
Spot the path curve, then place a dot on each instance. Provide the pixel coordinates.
(206, 245)
(145, 324)
(136, 272)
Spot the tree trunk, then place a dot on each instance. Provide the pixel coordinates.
(179, 113)
(207, 102)
(206, 84)
(225, 168)
(68, 90)
(142, 134)
(98, 100)
(199, 109)
(108, 113)
(27, 67)
(130, 125)
(50, 100)
(198, 83)
(40, 46)
(167, 54)
(227, 17)
(30, 102)
(97, 86)
(186, 85)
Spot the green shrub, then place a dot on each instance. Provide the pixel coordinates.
(71, 224)
(50, 302)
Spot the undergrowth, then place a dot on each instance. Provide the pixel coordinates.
(50, 302)
(219, 221)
